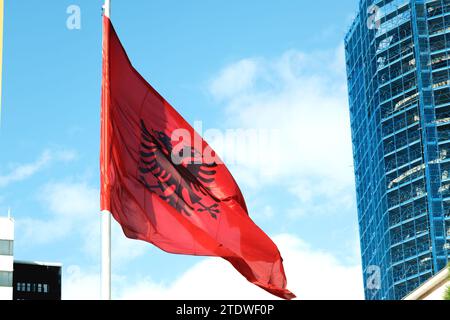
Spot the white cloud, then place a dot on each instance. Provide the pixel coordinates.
(35, 232)
(78, 284)
(234, 79)
(321, 197)
(69, 206)
(303, 98)
(311, 275)
(75, 200)
(24, 171)
(74, 209)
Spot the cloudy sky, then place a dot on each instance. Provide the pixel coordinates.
(273, 67)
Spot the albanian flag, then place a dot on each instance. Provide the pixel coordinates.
(159, 186)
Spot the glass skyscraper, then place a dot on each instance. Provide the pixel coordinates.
(397, 55)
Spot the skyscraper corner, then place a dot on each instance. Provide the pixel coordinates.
(397, 54)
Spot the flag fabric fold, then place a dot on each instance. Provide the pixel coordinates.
(161, 188)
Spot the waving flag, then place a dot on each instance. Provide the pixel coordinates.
(160, 188)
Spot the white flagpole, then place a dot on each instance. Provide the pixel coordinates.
(106, 255)
(106, 223)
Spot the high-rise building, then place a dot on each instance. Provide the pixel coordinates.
(397, 55)
(6, 258)
(36, 281)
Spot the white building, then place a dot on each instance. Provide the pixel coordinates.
(433, 289)
(6, 258)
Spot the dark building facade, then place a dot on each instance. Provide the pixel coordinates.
(397, 55)
(36, 281)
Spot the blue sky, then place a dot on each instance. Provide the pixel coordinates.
(274, 65)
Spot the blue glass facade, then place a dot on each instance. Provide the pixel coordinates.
(397, 55)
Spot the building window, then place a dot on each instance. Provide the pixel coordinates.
(6, 248)
(45, 288)
(23, 287)
(6, 279)
(28, 287)
(19, 286)
(39, 287)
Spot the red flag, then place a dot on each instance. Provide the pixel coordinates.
(159, 186)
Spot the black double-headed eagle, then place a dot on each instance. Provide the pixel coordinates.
(184, 186)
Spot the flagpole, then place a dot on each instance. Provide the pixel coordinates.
(106, 255)
(106, 223)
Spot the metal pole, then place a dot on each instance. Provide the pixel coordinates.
(106, 255)
(106, 223)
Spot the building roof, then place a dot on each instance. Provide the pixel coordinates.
(436, 282)
(39, 263)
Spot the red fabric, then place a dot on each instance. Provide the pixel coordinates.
(193, 208)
